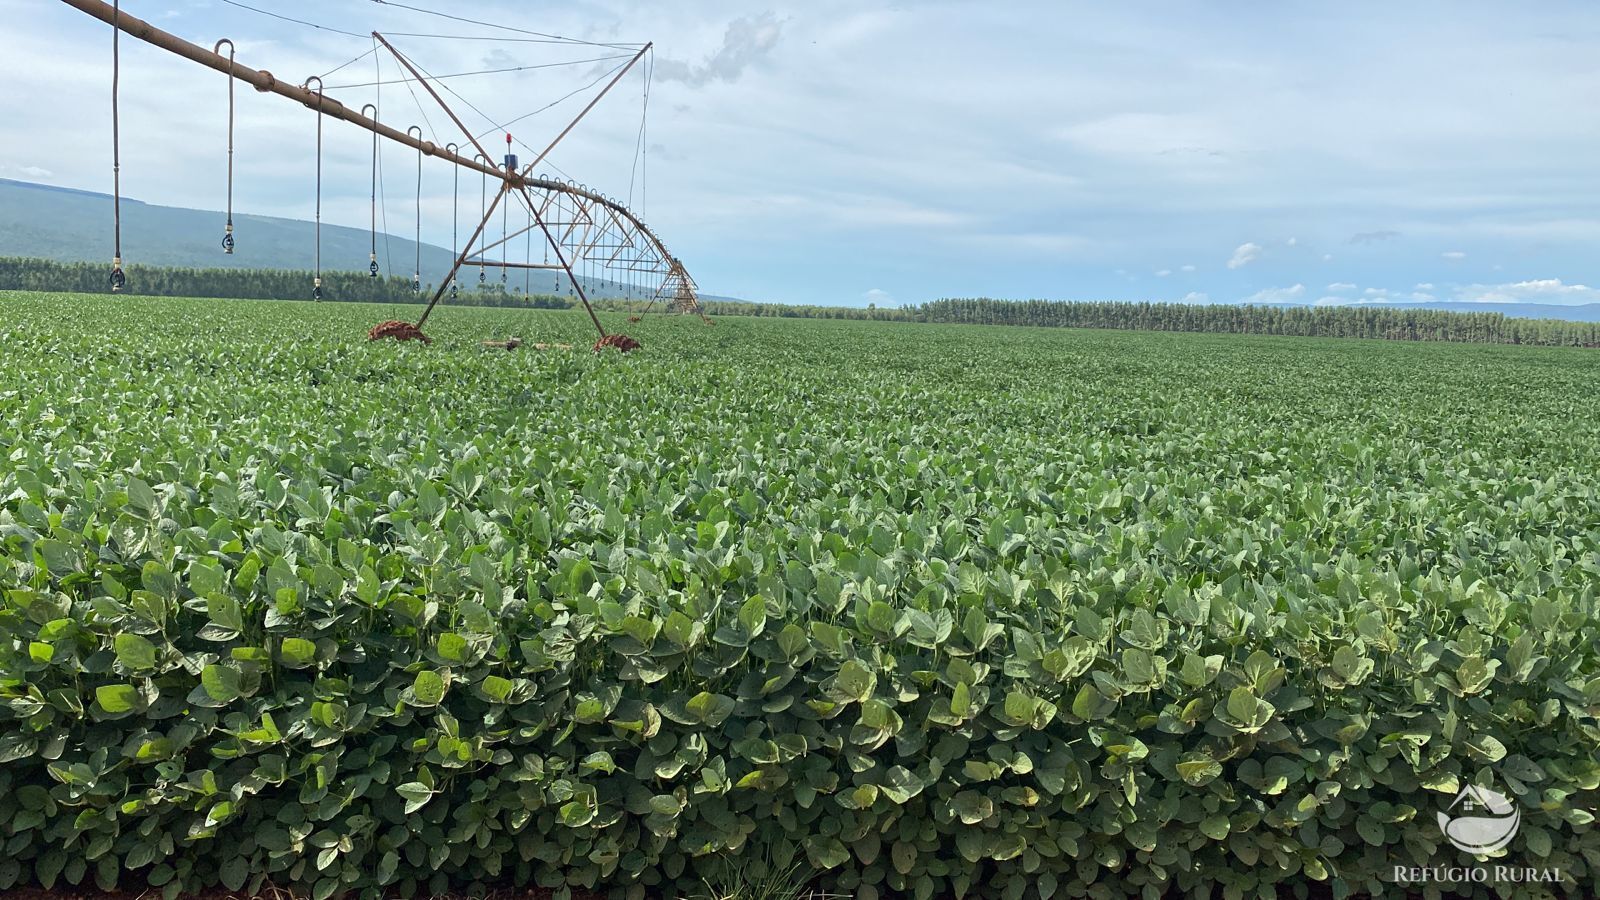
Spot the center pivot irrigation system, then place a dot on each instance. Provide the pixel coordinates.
(582, 229)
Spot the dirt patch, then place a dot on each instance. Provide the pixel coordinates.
(400, 331)
(620, 341)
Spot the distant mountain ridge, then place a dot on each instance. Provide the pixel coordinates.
(58, 189)
(74, 225)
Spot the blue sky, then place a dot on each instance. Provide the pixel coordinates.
(851, 152)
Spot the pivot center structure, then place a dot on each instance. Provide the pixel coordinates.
(580, 227)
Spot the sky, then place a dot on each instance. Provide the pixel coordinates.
(862, 152)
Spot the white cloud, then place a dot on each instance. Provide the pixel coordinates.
(1376, 293)
(1277, 295)
(1327, 257)
(1162, 273)
(1341, 286)
(1539, 290)
(746, 40)
(1186, 268)
(1453, 254)
(1244, 255)
(1423, 286)
(1292, 241)
(877, 296)
(1195, 297)
(27, 171)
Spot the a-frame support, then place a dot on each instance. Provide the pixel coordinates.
(511, 181)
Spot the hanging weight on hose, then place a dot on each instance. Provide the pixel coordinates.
(118, 279)
(483, 207)
(372, 256)
(455, 218)
(316, 280)
(227, 234)
(416, 273)
(505, 248)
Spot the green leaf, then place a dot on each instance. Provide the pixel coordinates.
(753, 615)
(971, 807)
(234, 872)
(1089, 704)
(453, 647)
(576, 814)
(498, 689)
(710, 709)
(1523, 769)
(961, 700)
(416, 795)
(854, 683)
(117, 699)
(134, 652)
(428, 689)
(1198, 769)
(1350, 666)
(665, 805)
(60, 559)
(1071, 659)
(221, 683)
(1019, 707)
(825, 852)
(1199, 671)
(142, 499)
(900, 784)
(1244, 711)
(158, 580)
(681, 630)
(1474, 674)
(297, 653)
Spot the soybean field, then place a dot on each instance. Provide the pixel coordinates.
(893, 609)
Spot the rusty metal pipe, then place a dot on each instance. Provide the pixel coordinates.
(266, 82)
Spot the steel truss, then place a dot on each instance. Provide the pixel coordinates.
(580, 226)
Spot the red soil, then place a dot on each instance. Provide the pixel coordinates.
(400, 331)
(620, 341)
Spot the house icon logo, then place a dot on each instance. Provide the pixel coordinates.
(1480, 820)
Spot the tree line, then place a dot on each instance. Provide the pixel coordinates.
(28, 274)
(1383, 323)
